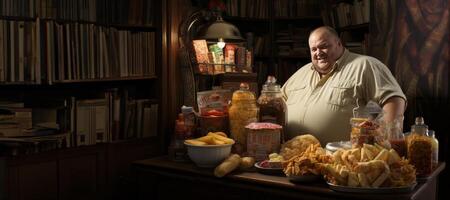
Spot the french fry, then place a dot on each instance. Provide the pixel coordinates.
(393, 157)
(215, 141)
(196, 142)
(221, 138)
(380, 180)
(337, 156)
(373, 149)
(383, 155)
(207, 139)
(221, 133)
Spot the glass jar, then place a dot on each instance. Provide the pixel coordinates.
(394, 134)
(364, 131)
(272, 107)
(420, 148)
(243, 111)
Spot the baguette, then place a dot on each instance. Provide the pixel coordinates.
(230, 164)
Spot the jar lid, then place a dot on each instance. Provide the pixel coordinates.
(243, 94)
(271, 85)
(263, 125)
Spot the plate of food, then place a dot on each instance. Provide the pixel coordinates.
(379, 190)
(270, 168)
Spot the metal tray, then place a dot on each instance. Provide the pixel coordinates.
(380, 190)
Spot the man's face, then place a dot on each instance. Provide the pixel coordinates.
(325, 50)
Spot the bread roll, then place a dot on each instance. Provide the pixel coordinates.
(231, 163)
(246, 163)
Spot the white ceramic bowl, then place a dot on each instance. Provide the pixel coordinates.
(208, 155)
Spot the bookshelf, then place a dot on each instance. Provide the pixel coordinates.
(351, 19)
(280, 29)
(80, 94)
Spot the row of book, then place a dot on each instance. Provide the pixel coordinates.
(296, 8)
(114, 118)
(356, 44)
(134, 12)
(49, 51)
(105, 119)
(248, 8)
(345, 14)
(292, 41)
(262, 45)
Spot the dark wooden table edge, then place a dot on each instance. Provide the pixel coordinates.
(240, 180)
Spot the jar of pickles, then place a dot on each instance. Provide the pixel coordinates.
(243, 111)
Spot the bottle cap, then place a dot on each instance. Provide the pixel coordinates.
(187, 109)
(420, 121)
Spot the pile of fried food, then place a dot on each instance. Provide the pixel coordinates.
(369, 166)
(297, 145)
(308, 162)
(212, 138)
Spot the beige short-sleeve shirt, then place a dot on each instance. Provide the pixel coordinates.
(325, 111)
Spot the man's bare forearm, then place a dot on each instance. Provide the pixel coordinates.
(393, 107)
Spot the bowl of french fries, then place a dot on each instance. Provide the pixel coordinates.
(209, 150)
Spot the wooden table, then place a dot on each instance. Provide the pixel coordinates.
(160, 178)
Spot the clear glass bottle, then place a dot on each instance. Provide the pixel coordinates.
(272, 107)
(243, 111)
(435, 148)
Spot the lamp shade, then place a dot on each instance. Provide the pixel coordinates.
(220, 29)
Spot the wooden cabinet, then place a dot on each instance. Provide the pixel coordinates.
(90, 172)
(77, 173)
(35, 180)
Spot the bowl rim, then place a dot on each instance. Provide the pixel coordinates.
(210, 145)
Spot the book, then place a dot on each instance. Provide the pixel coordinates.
(201, 54)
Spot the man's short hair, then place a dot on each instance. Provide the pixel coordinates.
(328, 29)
